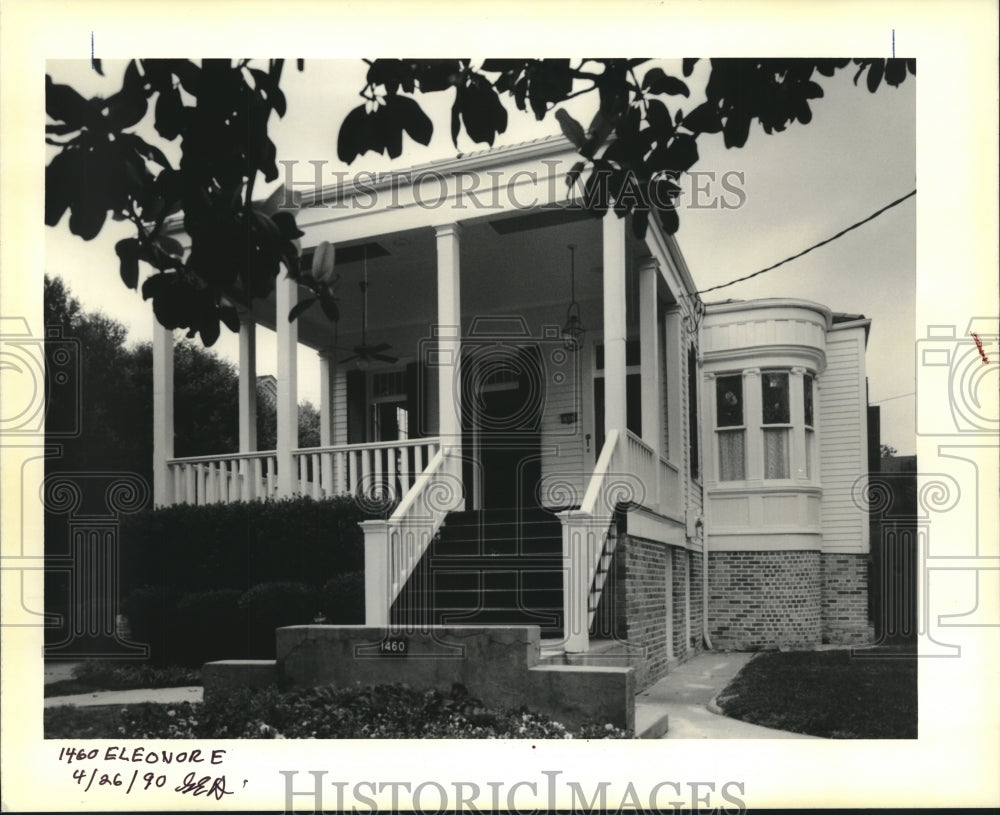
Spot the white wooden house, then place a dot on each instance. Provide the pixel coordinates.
(571, 479)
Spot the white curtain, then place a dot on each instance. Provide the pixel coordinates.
(776, 452)
(732, 456)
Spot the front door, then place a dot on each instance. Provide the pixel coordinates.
(502, 407)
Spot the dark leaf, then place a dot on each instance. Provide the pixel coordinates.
(86, 219)
(688, 66)
(230, 317)
(574, 173)
(416, 123)
(656, 81)
(62, 177)
(96, 65)
(64, 104)
(670, 220)
(875, 73)
(169, 245)
(736, 130)
(169, 113)
(571, 128)
(895, 72)
(456, 121)
(126, 109)
(659, 120)
(329, 304)
(209, 329)
(285, 222)
(354, 137)
(189, 74)
(703, 119)
(300, 64)
(299, 307)
(128, 257)
(640, 221)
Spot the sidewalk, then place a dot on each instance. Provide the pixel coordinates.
(685, 693)
(166, 696)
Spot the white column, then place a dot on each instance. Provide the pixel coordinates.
(248, 384)
(286, 296)
(615, 327)
(327, 385)
(753, 413)
(796, 408)
(449, 329)
(650, 355)
(676, 410)
(163, 413)
(327, 378)
(378, 601)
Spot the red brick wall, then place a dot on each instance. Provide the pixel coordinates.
(845, 600)
(764, 599)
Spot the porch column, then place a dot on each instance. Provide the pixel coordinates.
(649, 366)
(674, 365)
(448, 332)
(286, 296)
(327, 380)
(248, 384)
(615, 328)
(649, 344)
(163, 413)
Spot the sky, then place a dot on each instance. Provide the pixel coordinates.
(799, 187)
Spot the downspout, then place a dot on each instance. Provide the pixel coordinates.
(704, 574)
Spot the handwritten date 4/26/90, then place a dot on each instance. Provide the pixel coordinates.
(193, 784)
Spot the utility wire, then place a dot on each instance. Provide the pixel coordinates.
(814, 246)
(890, 398)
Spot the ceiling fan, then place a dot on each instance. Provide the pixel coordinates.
(365, 353)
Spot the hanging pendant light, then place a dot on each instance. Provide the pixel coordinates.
(573, 331)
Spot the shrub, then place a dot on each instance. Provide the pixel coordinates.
(343, 599)
(211, 625)
(236, 546)
(271, 605)
(151, 611)
(112, 675)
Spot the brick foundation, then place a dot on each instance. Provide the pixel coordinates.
(845, 600)
(764, 599)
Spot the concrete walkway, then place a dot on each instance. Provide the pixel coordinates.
(685, 693)
(167, 696)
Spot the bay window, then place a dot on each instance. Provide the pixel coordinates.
(776, 423)
(730, 430)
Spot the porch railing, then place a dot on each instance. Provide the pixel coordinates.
(394, 547)
(383, 472)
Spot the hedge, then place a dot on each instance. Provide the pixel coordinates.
(188, 549)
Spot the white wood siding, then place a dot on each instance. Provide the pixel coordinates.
(843, 440)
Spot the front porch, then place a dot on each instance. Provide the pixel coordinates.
(477, 401)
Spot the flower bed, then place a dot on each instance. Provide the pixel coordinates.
(381, 712)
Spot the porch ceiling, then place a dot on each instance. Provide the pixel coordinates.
(506, 263)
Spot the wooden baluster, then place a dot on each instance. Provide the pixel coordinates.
(418, 459)
(326, 465)
(317, 486)
(404, 471)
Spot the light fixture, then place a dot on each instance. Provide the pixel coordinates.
(573, 331)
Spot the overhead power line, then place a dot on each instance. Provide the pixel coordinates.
(890, 398)
(814, 246)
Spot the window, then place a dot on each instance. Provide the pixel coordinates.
(730, 430)
(692, 397)
(776, 424)
(807, 420)
(633, 392)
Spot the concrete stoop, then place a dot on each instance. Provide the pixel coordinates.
(500, 665)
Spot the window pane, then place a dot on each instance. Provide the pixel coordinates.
(732, 456)
(809, 454)
(807, 398)
(729, 400)
(776, 453)
(775, 397)
(633, 403)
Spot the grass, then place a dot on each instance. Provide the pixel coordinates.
(98, 675)
(870, 694)
(383, 711)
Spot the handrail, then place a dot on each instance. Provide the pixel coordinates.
(329, 448)
(420, 484)
(601, 469)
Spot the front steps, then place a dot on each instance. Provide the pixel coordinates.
(489, 567)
